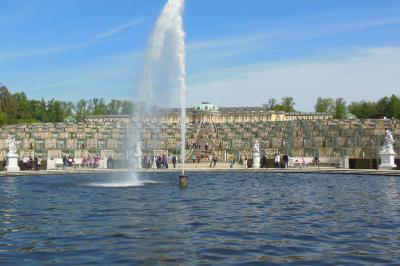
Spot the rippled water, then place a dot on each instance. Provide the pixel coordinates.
(222, 218)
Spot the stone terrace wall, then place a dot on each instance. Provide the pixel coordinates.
(331, 138)
(106, 138)
(54, 140)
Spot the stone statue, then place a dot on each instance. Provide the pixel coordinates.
(256, 155)
(12, 156)
(12, 145)
(388, 144)
(256, 147)
(387, 153)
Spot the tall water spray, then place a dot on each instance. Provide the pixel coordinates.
(168, 38)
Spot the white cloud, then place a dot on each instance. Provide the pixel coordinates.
(43, 51)
(355, 75)
(225, 42)
(213, 54)
(111, 77)
(121, 28)
(11, 55)
(288, 33)
(379, 22)
(370, 73)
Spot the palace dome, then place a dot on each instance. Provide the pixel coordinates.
(206, 107)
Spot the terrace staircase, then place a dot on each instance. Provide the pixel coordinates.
(207, 135)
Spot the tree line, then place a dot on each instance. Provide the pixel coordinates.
(337, 108)
(388, 107)
(385, 107)
(17, 108)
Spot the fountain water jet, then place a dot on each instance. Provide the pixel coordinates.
(168, 32)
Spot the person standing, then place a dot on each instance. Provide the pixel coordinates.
(174, 161)
(158, 162)
(35, 162)
(166, 162)
(232, 160)
(277, 160)
(264, 161)
(303, 161)
(245, 159)
(109, 162)
(65, 160)
(286, 160)
(316, 160)
(39, 163)
(215, 160)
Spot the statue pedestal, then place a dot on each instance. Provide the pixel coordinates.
(344, 162)
(387, 161)
(256, 160)
(12, 163)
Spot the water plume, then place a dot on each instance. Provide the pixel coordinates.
(168, 38)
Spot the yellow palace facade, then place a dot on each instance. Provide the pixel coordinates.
(207, 112)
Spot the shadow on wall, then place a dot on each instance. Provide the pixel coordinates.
(363, 164)
(368, 163)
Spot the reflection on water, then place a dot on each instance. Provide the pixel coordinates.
(222, 218)
(392, 191)
(120, 181)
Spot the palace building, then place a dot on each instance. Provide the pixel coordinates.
(207, 112)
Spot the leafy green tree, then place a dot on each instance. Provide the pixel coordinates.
(55, 111)
(114, 107)
(68, 108)
(288, 104)
(81, 110)
(97, 106)
(24, 109)
(363, 109)
(270, 106)
(8, 104)
(340, 109)
(3, 119)
(382, 107)
(394, 107)
(325, 105)
(42, 114)
(127, 107)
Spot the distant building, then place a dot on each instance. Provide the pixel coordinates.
(207, 112)
(109, 118)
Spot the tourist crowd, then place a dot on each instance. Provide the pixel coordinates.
(29, 163)
(158, 161)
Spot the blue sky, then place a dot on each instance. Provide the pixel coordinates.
(239, 53)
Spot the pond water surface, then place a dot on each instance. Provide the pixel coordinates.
(221, 218)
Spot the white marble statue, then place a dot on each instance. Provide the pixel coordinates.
(12, 157)
(256, 147)
(256, 155)
(388, 144)
(387, 153)
(12, 145)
